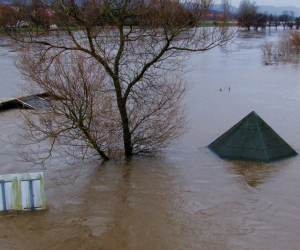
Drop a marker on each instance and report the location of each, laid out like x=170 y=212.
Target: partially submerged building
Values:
x=252 y=139
x=25 y=102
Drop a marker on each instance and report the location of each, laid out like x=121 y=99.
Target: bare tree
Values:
x=283 y=49
x=288 y=44
x=78 y=113
x=142 y=66
x=247 y=14
x=82 y=116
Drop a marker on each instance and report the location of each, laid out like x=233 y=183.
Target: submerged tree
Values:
x=131 y=100
x=284 y=50
x=82 y=112
x=247 y=14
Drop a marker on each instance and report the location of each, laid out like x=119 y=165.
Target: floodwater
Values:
x=188 y=199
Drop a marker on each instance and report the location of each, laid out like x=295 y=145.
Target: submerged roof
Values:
x=252 y=139
x=29 y=102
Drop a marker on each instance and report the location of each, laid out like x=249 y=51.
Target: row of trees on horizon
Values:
x=248 y=15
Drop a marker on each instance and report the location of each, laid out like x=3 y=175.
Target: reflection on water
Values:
x=269 y=60
x=254 y=173
x=189 y=199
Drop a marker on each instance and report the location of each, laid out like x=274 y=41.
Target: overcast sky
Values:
x=278 y=3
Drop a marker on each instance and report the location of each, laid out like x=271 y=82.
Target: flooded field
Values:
x=188 y=199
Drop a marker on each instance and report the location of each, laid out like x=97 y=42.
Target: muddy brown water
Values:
x=188 y=199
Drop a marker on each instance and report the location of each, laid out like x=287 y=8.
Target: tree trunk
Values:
x=127 y=141
x=124 y=118
x=126 y=132
x=88 y=135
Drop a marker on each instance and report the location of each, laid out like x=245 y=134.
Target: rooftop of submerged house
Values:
x=251 y=139
x=36 y=101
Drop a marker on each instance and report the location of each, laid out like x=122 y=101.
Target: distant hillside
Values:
x=278 y=10
x=261 y=9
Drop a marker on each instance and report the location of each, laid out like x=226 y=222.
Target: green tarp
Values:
x=252 y=139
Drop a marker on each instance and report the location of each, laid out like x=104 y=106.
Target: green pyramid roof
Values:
x=251 y=139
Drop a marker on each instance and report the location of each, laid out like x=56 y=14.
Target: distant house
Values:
x=219 y=16
x=50 y=12
x=213 y=17
x=209 y=17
